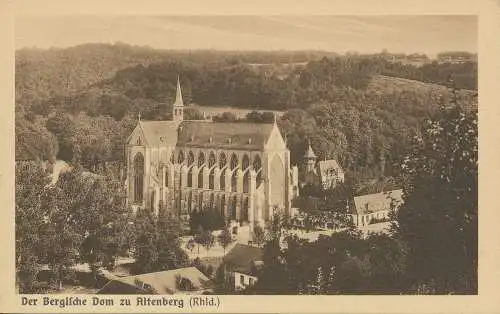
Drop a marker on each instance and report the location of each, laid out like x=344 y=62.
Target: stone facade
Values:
x=241 y=169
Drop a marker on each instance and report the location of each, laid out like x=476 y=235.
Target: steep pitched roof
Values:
x=372 y=203
x=242 y=257
x=201 y=133
x=309 y=153
x=159 y=132
x=164 y=282
x=235 y=135
x=326 y=165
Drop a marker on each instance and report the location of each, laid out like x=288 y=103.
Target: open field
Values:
x=388 y=84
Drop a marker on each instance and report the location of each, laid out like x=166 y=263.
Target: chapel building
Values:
x=324 y=173
x=240 y=169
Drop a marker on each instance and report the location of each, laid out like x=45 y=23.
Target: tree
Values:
x=259 y=236
x=198 y=237
x=438 y=219
x=207 y=239
x=225 y=117
x=108 y=223
x=225 y=238
x=191 y=113
x=64 y=231
x=194 y=221
x=63 y=128
x=30 y=193
x=145 y=246
x=170 y=253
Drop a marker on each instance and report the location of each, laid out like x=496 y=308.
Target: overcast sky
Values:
x=365 y=34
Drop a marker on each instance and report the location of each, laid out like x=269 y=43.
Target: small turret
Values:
x=309 y=158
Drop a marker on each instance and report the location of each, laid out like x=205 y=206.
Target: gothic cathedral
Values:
x=240 y=169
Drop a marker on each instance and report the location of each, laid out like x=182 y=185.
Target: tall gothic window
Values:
x=180 y=158
x=223 y=205
x=211 y=179
x=201 y=159
x=257 y=167
x=200 y=201
x=244 y=211
x=234 y=207
x=190 y=159
x=190 y=178
x=246 y=182
x=234 y=181
x=153 y=200
x=211 y=160
x=212 y=201
x=139 y=178
x=223 y=180
x=245 y=162
x=200 y=178
x=222 y=160
x=234 y=162
x=190 y=201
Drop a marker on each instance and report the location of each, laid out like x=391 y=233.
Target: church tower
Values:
x=178 y=107
x=309 y=158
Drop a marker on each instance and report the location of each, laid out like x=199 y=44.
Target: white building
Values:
x=375 y=208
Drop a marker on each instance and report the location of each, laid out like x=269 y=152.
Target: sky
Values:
x=428 y=34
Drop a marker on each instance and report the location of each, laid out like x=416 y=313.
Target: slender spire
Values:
x=178 y=107
x=139 y=116
x=178 y=94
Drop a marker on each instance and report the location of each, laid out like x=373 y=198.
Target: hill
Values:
x=45 y=73
x=388 y=84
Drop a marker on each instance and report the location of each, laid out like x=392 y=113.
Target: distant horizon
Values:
x=236 y=50
x=405 y=34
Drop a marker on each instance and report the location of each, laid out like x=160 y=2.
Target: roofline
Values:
x=139 y=123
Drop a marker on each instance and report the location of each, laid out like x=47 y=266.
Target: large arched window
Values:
x=234 y=207
x=201 y=159
x=138 y=178
x=234 y=162
x=212 y=201
x=277 y=182
x=190 y=159
x=246 y=182
x=211 y=179
x=257 y=163
x=153 y=200
x=211 y=160
x=200 y=178
x=223 y=205
x=200 y=201
x=234 y=181
x=245 y=162
x=222 y=183
x=244 y=210
x=257 y=167
x=190 y=178
x=190 y=202
x=180 y=158
x=222 y=160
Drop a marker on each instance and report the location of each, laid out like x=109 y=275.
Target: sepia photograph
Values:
x=246 y=155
